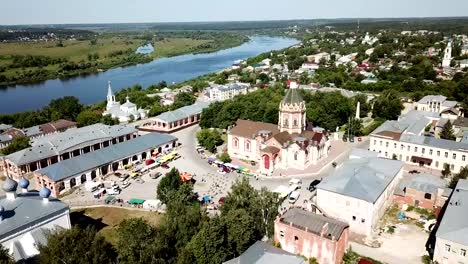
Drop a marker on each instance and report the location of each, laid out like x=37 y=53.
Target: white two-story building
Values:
x=226 y=92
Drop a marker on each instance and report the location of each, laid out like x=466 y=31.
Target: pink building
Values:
x=312 y=235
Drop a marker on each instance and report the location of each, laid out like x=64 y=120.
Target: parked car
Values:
x=313 y=185
x=125 y=184
x=113 y=191
x=293 y=197
x=414 y=172
x=140 y=181
x=155 y=175
x=118 y=174
x=296 y=181
x=124 y=177
x=165 y=166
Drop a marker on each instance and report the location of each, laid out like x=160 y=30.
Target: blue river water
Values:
x=93 y=88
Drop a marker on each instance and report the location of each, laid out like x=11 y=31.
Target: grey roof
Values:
x=232 y=86
x=263 y=253
x=293 y=96
x=5 y=138
x=362 y=153
x=431 y=98
x=454 y=226
x=434 y=142
x=183 y=112
x=28 y=209
x=5 y=127
x=413 y=122
x=424 y=182
x=314 y=223
x=465 y=137
x=71 y=139
x=365 y=179
x=95 y=159
x=32 y=131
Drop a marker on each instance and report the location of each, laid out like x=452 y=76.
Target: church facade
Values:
x=124 y=112
x=289 y=144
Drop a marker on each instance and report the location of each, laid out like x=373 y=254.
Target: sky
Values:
x=129 y=11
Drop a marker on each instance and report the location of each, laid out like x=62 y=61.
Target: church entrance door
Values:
x=266 y=161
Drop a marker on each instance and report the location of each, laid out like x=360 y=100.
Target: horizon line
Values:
x=241 y=21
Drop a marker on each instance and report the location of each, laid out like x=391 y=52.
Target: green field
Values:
x=106 y=219
x=110 y=52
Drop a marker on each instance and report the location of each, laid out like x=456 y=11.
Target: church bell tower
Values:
x=292 y=116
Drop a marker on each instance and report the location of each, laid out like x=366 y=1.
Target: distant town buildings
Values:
x=219 y=92
x=8 y=133
x=286 y=145
x=359 y=191
x=27 y=218
x=125 y=112
x=311 y=235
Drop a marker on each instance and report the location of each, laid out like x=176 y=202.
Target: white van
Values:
x=297 y=182
x=293 y=197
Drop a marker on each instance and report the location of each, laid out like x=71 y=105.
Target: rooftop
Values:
x=453 y=226
x=26 y=210
x=292 y=96
x=434 y=142
x=183 y=112
x=85 y=162
x=365 y=178
x=314 y=223
x=71 y=139
x=263 y=253
x=424 y=182
x=413 y=122
x=247 y=128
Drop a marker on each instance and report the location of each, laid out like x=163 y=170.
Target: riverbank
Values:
x=34 y=62
x=92 y=88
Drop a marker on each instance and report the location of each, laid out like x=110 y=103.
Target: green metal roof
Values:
x=293 y=96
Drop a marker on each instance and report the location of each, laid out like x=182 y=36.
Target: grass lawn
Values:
x=106 y=219
x=75 y=50
x=175 y=46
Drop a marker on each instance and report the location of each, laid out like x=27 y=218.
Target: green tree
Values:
x=211 y=243
x=388 y=105
x=224 y=157
x=16 y=144
x=88 y=117
x=139 y=242
x=463 y=174
x=168 y=184
x=447 y=131
x=183 y=99
x=76 y=246
x=5 y=257
x=67 y=107
x=240 y=230
x=446 y=171
x=209 y=139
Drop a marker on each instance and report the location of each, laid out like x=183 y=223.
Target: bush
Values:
x=224 y=157
x=209 y=139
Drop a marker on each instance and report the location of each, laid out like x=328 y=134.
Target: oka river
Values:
x=93 y=88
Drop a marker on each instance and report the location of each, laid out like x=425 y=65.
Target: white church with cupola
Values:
x=124 y=112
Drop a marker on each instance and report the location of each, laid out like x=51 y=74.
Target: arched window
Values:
x=295 y=155
x=295 y=122
x=247 y=145
x=286 y=122
x=236 y=142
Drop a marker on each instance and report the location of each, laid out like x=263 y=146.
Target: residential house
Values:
x=424 y=191
x=311 y=235
x=451 y=235
x=359 y=191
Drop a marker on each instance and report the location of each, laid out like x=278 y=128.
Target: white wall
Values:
x=387 y=149
x=442 y=256
x=26 y=239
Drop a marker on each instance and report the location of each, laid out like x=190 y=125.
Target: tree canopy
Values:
x=76 y=246
x=209 y=139
x=447 y=131
x=16 y=144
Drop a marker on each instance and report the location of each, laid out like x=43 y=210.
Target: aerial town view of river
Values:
x=92 y=88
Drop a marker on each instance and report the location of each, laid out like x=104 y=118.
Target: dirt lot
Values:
x=406 y=245
x=106 y=220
